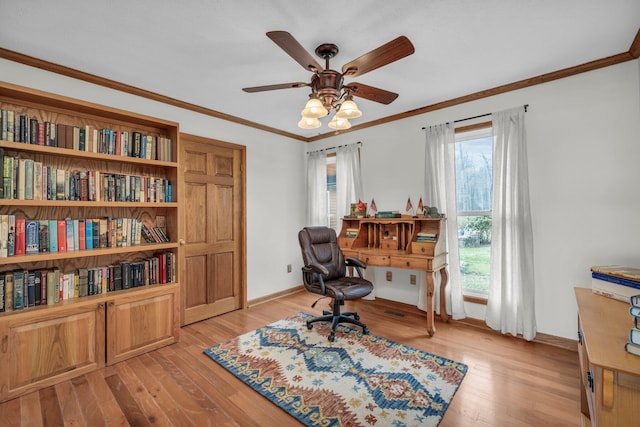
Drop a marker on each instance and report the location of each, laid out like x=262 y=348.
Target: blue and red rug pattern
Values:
x=358 y=380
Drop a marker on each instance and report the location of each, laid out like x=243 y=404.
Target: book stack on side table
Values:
x=633 y=346
x=615 y=281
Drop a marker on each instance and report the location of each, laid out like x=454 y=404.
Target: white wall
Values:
x=584 y=147
x=583 y=135
x=274 y=188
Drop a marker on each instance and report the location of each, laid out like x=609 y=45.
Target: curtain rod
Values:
x=333 y=148
x=526 y=106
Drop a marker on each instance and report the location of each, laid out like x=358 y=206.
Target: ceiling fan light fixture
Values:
x=348 y=109
x=314 y=108
x=339 y=123
x=309 y=123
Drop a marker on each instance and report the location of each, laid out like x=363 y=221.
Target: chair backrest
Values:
x=320 y=245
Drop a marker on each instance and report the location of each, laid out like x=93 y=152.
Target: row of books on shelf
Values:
x=426 y=237
x=20 y=289
x=17 y=127
x=27 y=179
x=351 y=232
x=21 y=236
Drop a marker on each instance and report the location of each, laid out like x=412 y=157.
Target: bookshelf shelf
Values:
x=66 y=152
x=21 y=259
x=86 y=331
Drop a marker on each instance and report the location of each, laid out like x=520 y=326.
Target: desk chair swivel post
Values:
x=324 y=273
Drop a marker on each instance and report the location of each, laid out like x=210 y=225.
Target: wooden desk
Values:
x=609 y=376
x=407 y=242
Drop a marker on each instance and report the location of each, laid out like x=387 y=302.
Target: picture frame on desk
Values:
x=358 y=210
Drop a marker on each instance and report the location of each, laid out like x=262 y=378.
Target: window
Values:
x=473 y=164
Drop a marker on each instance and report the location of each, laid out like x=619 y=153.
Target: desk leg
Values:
x=444 y=279
x=431 y=327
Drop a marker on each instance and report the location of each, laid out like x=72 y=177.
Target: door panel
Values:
x=214 y=243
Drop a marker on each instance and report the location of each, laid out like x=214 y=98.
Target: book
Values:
x=3 y=291
x=20 y=241
x=632 y=348
x=635 y=300
x=62 y=235
x=634 y=336
x=612 y=290
x=11 y=237
x=18 y=290
x=8 y=293
x=32 y=239
x=4 y=236
x=53 y=235
x=30 y=279
x=43 y=235
x=627 y=273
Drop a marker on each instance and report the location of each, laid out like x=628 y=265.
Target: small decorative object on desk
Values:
x=633 y=346
x=431 y=212
x=358 y=210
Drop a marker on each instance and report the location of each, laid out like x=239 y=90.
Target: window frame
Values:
x=475 y=130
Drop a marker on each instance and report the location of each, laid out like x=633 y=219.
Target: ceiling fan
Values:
x=328 y=90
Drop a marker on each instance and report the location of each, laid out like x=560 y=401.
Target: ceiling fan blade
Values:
x=295 y=50
x=387 y=53
x=372 y=93
x=274 y=87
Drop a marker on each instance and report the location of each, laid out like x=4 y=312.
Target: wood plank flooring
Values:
x=510 y=382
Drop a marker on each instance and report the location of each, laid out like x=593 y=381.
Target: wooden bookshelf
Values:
x=42 y=345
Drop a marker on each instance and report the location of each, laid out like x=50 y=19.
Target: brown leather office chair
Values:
x=324 y=273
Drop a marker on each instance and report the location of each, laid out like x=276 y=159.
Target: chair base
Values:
x=336 y=317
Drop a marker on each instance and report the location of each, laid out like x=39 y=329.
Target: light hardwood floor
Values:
x=510 y=382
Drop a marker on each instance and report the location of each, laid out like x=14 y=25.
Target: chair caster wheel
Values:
x=356 y=317
x=332 y=338
x=309 y=326
x=365 y=331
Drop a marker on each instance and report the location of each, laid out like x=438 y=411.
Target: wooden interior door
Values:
x=213 y=269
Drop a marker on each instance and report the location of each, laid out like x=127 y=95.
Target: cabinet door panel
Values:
x=142 y=322
x=50 y=347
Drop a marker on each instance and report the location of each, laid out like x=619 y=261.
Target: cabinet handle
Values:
x=182 y=242
x=408 y=264
x=101 y=305
x=590 y=380
x=111 y=304
x=579 y=337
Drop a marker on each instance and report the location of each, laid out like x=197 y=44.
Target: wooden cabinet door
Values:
x=213 y=270
x=39 y=348
x=139 y=322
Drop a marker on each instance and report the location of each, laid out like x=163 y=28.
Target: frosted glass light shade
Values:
x=339 y=123
x=309 y=123
x=314 y=109
x=349 y=110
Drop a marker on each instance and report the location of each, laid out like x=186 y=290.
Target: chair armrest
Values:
x=355 y=262
x=316 y=268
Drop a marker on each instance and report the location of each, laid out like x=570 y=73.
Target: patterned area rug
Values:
x=358 y=380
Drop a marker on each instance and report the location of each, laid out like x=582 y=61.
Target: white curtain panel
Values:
x=348 y=179
x=511 y=305
x=440 y=191
x=317 y=188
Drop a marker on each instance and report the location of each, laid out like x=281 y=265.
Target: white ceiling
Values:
x=205 y=51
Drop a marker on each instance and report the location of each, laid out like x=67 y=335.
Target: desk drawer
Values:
x=375 y=260
x=421 y=248
x=411 y=263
